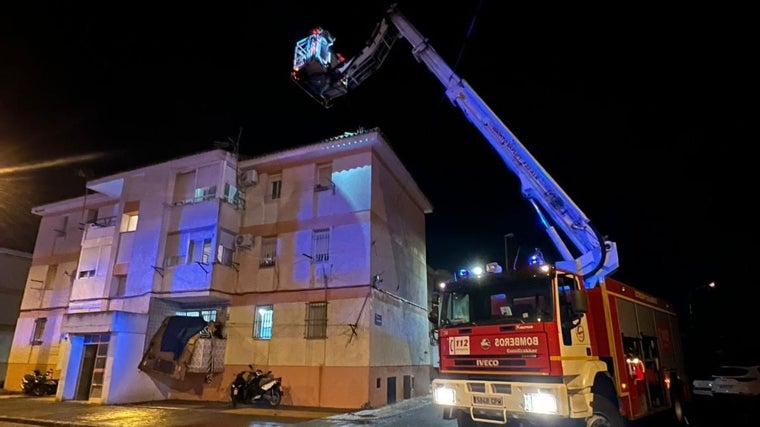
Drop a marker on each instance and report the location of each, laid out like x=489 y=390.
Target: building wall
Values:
x=14 y=266
x=399 y=339
x=47 y=289
x=375 y=330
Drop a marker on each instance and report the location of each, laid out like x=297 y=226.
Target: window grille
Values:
x=262 y=324
x=320 y=252
x=316 y=320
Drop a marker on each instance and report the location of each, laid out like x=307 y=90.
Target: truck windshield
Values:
x=497 y=299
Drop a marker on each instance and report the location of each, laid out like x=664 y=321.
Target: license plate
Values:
x=488 y=400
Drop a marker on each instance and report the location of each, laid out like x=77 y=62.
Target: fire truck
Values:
x=560 y=343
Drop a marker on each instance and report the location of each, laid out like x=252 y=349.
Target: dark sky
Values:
x=640 y=114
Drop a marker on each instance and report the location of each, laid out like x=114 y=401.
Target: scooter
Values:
x=255 y=385
x=39 y=384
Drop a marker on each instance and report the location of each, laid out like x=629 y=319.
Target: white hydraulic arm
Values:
x=593 y=257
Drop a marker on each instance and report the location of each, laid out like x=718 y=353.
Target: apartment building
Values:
x=312 y=260
x=14 y=267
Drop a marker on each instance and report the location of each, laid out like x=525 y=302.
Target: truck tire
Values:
x=605 y=414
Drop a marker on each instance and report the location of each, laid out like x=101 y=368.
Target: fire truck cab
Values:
x=534 y=345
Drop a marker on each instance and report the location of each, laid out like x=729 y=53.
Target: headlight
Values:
x=542 y=403
x=444 y=396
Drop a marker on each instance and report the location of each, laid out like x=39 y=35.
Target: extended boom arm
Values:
x=325 y=80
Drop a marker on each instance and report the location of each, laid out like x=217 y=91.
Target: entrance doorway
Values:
x=92 y=367
x=391 y=392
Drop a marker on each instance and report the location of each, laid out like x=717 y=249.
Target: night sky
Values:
x=641 y=115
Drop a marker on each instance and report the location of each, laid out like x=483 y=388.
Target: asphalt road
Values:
x=24 y=410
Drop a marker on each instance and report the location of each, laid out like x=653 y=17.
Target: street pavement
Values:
x=17 y=408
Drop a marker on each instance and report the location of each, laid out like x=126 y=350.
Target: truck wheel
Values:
x=605 y=414
x=681 y=411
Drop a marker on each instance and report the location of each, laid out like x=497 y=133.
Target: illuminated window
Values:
x=262 y=323
x=268 y=251
x=316 y=320
x=39 y=330
x=128 y=222
x=320 y=246
x=204 y=193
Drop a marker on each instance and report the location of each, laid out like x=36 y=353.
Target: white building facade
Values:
x=312 y=259
x=14 y=268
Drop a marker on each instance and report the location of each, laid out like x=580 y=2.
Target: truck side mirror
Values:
x=433 y=317
x=433 y=313
x=579 y=301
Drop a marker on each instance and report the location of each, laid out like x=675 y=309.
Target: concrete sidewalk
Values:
x=45 y=411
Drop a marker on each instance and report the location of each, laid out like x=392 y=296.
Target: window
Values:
x=232 y=195
x=320 y=246
x=262 y=323
x=120 y=286
x=88 y=262
x=39 y=330
x=224 y=255
x=268 y=251
x=275 y=186
x=208 y=315
x=316 y=320
x=204 y=193
x=225 y=249
x=86 y=273
x=199 y=251
x=128 y=222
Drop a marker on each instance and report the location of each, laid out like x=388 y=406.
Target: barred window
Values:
x=268 y=251
x=320 y=246
x=262 y=323
x=316 y=320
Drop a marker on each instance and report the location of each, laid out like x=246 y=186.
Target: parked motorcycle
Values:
x=254 y=386
x=39 y=384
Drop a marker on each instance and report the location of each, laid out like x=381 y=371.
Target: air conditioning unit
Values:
x=249 y=177
x=244 y=240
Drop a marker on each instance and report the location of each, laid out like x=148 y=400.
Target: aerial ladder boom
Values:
x=593 y=257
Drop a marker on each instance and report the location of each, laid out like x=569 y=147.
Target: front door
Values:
x=85 y=372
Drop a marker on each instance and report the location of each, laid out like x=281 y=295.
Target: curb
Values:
x=385 y=412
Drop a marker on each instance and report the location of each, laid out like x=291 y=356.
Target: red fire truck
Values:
x=546 y=343
x=535 y=345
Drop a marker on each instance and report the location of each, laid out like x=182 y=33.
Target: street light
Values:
x=506 y=250
x=710 y=285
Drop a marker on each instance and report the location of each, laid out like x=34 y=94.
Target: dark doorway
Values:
x=85 y=372
x=391 y=390
x=407 y=386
